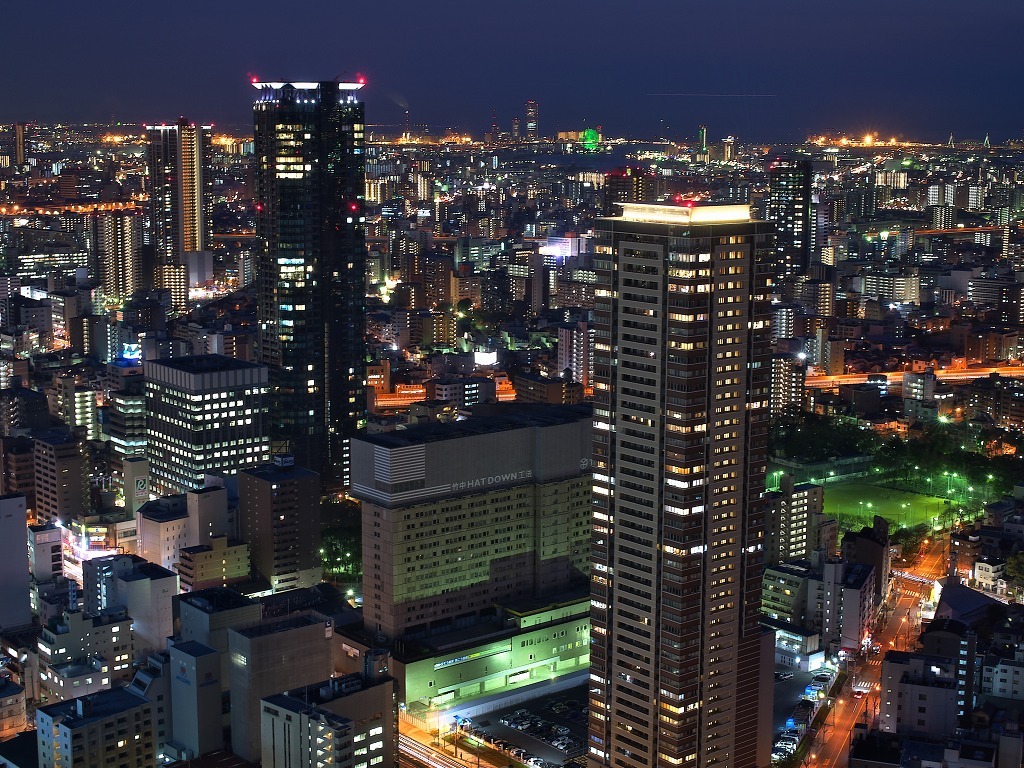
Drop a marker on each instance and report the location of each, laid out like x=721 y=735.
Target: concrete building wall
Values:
x=269 y=658
x=15 y=603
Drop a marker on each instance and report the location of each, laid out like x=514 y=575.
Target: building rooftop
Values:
x=217 y=599
x=282 y=625
x=785 y=626
x=212 y=760
x=76 y=713
x=856 y=575
x=987 y=559
x=799 y=568
x=328 y=690
x=204 y=363
x=946 y=625
x=280 y=472
x=293 y=703
x=498 y=419
x=166 y=509
x=193 y=648
x=21 y=751
x=689 y=212
x=147 y=570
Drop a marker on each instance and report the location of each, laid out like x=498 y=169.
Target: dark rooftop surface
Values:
x=506 y=416
x=146 y=570
x=283 y=625
x=217 y=599
x=101 y=706
x=21 y=751
x=193 y=648
x=205 y=363
x=274 y=471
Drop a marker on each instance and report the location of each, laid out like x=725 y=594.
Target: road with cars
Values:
x=859 y=701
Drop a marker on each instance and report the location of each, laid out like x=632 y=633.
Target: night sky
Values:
x=772 y=71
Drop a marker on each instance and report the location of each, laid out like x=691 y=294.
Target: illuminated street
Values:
x=831 y=748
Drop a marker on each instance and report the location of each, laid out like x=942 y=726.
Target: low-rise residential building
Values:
x=344 y=721
x=990 y=574
x=83 y=654
x=12 y=709
x=220 y=563
x=112 y=728
x=918 y=695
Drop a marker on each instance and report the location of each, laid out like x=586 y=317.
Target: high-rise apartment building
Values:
x=576 y=353
x=797 y=525
x=679 y=662
x=20 y=136
x=789 y=372
x=310 y=279
x=181 y=201
x=118 y=244
x=61 y=477
x=789 y=208
x=204 y=413
x=279 y=518
x=532 y=118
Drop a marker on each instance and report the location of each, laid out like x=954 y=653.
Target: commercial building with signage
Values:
x=461 y=517
x=476 y=552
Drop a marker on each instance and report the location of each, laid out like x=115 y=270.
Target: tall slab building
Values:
x=789 y=208
x=181 y=201
x=680 y=664
x=312 y=258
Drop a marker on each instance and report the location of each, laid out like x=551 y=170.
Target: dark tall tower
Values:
x=181 y=201
x=789 y=207
x=312 y=259
x=679 y=662
x=532 y=116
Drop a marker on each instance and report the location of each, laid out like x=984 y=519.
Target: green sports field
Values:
x=855 y=504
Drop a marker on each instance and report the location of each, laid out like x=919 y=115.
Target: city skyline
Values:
x=334 y=442
x=880 y=69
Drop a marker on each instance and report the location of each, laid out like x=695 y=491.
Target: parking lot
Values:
x=791 y=718
x=548 y=731
x=787 y=694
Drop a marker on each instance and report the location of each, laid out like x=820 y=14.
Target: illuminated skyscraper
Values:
x=20 y=131
x=532 y=115
x=204 y=413
x=118 y=242
x=702 y=139
x=181 y=201
x=789 y=208
x=679 y=664
x=311 y=264
x=728 y=149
